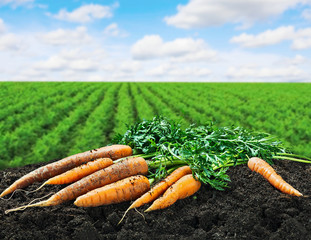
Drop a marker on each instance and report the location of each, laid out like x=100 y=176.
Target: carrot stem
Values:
x=291 y=159
x=294 y=155
x=145 y=156
x=230 y=164
x=167 y=163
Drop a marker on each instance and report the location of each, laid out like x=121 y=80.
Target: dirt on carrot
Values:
x=79 y=172
x=65 y=164
x=123 y=190
x=128 y=167
x=248 y=209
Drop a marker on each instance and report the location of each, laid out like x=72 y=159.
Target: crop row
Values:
x=283 y=113
x=46 y=121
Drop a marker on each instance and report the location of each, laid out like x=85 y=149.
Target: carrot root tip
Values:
x=22 y=208
x=37 y=188
x=31 y=204
x=148 y=210
x=16 y=209
x=124 y=215
x=140 y=213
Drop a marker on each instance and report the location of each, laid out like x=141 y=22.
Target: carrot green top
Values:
x=208 y=149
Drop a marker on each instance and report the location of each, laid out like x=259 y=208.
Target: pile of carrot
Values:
x=112 y=175
x=98 y=180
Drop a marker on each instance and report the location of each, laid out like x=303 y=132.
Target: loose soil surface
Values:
x=250 y=209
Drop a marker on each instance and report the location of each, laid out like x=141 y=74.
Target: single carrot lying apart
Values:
x=65 y=164
x=262 y=167
x=184 y=187
x=126 y=168
x=123 y=190
x=78 y=173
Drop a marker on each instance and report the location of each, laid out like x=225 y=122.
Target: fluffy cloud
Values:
x=75 y=59
x=306 y=14
x=251 y=72
x=63 y=36
x=2 y=26
x=172 y=70
x=268 y=37
x=297 y=60
x=10 y=42
x=114 y=31
x=180 y=49
x=86 y=13
x=301 y=38
x=130 y=66
x=205 y=13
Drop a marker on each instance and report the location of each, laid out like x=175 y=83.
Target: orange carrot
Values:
x=123 y=190
x=77 y=173
x=262 y=167
x=65 y=164
x=159 y=188
x=184 y=187
x=126 y=168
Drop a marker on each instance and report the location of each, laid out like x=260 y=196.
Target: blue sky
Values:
x=186 y=40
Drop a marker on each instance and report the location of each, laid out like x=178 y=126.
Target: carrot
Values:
x=262 y=167
x=123 y=169
x=184 y=187
x=123 y=190
x=65 y=164
x=77 y=173
x=159 y=188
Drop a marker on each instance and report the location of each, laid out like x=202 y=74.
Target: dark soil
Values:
x=250 y=209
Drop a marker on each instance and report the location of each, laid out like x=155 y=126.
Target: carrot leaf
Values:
x=208 y=149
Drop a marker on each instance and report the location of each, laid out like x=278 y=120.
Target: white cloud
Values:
x=268 y=37
x=180 y=49
x=252 y=72
x=301 y=43
x=159 y=70
x=75 y=59
x=10 y=42
x=130 y=66
x=32 y=74
x=301 y=38
x=2 y=26
x=306 y=14
x=205 y=13
x=296 y=60
x=203 y=72
x=114 y=31
x=86 y=13
x=173 y=70
x=63 y=36
x=54 y=63
x=241 y=65
x=204 y=55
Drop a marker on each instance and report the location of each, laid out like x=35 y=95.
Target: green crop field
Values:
x=47 y=121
